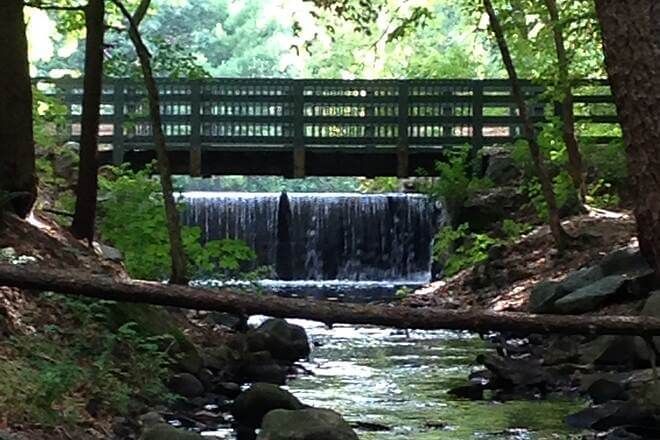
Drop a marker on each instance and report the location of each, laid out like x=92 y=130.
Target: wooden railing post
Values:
x=118 y=122
x=403 y=165
x=477 y=116
x=298 y=129
x=195 y=128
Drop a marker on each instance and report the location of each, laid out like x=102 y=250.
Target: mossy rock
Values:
x=305 y=424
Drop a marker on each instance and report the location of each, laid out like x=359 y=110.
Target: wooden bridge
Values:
x=320 y=127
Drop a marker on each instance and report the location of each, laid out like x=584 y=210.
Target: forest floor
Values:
x=505 y=281
x=31 y=322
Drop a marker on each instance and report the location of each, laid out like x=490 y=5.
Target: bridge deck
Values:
x=319 y=127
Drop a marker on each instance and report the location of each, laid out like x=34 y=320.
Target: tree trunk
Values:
x=86 y=191
x=100 y=287
x=631 y=41
x=575 y=166
x=171 y=212
x=17 y=162
x=558 y=232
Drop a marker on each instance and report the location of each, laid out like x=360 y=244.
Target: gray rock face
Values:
x=499 y=165
x=591 y=296
x=543 y=296
x=489 y=206
x=284 y=341
x=186 y=385
x=306 y=424
x=251 y=406
x=108 y=252
x=603 y=390
x=623 y=274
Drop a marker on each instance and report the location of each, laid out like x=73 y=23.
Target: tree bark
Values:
x=575 y=165
x=177 y=252
x=100 y=287
x=631 y=41
x=84 y=216
x=17 y=161
x=545 y=179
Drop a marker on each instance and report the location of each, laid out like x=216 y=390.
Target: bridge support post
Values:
x=195 y=129
x=403 y=165
x=118 y=122
x=477 y=117
x=299 y=167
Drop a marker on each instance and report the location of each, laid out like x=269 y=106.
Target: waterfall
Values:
x=324 y=236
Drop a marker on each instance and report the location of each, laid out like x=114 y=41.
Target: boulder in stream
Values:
x=305 y=424
x=284 y=341
x=252 y=405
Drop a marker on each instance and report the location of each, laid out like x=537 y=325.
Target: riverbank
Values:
x=86 y=369
x=601 y=273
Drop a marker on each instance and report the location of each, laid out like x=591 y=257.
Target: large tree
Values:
x=17 y=166
x=86 y=190
x=631 y=41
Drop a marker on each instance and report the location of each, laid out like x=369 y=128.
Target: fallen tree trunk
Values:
x=225 y=300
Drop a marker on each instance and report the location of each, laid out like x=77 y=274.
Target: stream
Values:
x=400 y=381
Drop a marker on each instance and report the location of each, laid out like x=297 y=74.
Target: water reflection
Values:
x=399 y=380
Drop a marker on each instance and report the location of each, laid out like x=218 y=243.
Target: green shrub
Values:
x=607 y=163
x=513 y=230
x=379 y=185
x=458 y=248
x=455 y=183
x=132 y=219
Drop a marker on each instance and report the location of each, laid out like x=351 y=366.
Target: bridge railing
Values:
x=400 y=117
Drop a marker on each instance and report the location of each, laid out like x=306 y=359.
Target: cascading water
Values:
x=315 y=237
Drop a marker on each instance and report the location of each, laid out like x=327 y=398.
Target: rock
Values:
x=125 y=428
x=651 y=308
x=164 y=431
x=472 y=392
x=610 y=414
x=582 y=278
x=498 y=165
x=189 y=358
x=543 y=296
x=233 y=322
x=516 y=372
x=261 y=367
x=283 y=340
x=186 y=385
x=222 y=359
x=252 y=405
x=305 y=424
x=229 y=389
x=626 y=260
x=592 y=296
x=603 y=390
x=490 y=206
x=152 y=418
x=108 y=252
x=271 y=373
x=561 y=350
x=610 y=351
x=65 y=165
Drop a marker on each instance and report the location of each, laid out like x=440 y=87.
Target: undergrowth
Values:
x=81 y=366
x=459 y=248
